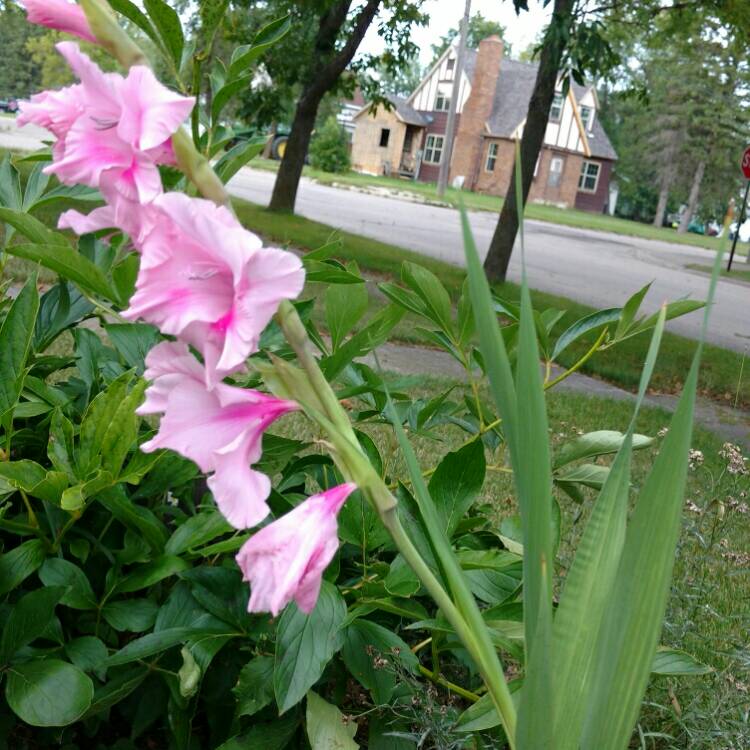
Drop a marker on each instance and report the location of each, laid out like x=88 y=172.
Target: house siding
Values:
x=599 y=200
x=367 y=154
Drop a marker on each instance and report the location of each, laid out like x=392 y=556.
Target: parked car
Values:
x=8 y=105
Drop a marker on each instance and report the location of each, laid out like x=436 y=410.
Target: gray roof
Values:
x=514 y=88
x=408 y=114
x=470 y=64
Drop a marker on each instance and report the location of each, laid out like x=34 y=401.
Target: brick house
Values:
x=575 y=164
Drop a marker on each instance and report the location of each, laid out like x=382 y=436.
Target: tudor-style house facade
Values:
x=575 y=163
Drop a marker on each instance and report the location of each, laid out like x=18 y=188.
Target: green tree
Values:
x=400 y=81
x=329 y=150
x=20 y=75
x=479 y=28
x=319 y=58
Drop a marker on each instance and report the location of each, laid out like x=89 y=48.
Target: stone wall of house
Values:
x=368 y=155
x=477 y=110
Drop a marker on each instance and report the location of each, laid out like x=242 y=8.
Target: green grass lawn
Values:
x=721 y=375
x=480 y=202
x=740 y=271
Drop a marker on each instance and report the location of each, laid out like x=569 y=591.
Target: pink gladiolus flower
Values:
x=220 y=430
x=286 y=559
x=111 y=131
x=208 y=280
x=60 y=15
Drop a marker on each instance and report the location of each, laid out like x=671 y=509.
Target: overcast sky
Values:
x=522 y=30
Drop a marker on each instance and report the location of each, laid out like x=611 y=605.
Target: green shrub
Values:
x=329 y=151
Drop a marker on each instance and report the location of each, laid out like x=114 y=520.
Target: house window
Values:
x=442 y=102
x=491 y=157
x=589 y=179
x=385 y=137
x=555 y=112
x=556 y=166
x=450 y=69
x=433 y=150
x=451 y=64
x=587 y=117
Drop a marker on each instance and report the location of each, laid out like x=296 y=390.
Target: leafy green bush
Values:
x=329 y=150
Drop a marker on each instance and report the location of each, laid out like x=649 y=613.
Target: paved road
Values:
x=596 y=268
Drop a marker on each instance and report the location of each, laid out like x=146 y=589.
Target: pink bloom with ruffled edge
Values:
x=112 y=132
x=208 y=280
x=60 y=15
x=286 y=560
x=220 y=430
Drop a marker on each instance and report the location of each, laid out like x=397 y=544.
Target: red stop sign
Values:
x=746 y=163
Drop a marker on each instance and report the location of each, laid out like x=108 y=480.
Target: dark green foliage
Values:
x=329 y=150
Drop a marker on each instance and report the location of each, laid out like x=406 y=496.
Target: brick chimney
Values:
x=477 y=111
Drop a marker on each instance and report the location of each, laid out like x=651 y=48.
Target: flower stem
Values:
x=581 y=362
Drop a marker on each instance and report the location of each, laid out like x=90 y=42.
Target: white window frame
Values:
x=557 y=172
x=431 y=147
x=588 y=122
x=586 y=174
x=442 y=102
x=491 y=160
x=558 y=104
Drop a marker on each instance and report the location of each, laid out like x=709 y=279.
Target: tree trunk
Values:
x=664 y=187
x=285 y=188
x=501 y=247
x=695 y=191
x=327 y=65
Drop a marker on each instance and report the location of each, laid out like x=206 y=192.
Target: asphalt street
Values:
x=595 y=268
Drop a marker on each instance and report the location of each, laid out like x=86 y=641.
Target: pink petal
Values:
x=151 y=113
x=60 y=15
x=98 y=219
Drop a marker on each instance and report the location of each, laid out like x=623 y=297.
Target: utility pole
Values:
x=450 y=130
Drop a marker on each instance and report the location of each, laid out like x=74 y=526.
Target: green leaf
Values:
x=370 y=337
x=364 y=644
x=432 y=293
x=66 y=193
x=133 y=615
x=18 y=564
x=589 y=584
x=167 y=22
x=673 y=309
x=87 y=653
x=196 y=532
x=60 y=449
x=633 y=620
x=15 y=342
x=592 y=322
x=122 y=432
x=131 y=11
x=630 y=310
x=155 y=643
x=32 y=229
x=401 y=579
x=61 y=307
x=71 y=265
x=151 y=573
x=225 y=94
x=59 y=572
x=479 y=717
x=599 y=443
x=345 y=306
x=48 y=693
x=589 y=475
x=675 y=663
x=327 y=729
x=10 y=185
x=236 y=158
x=457 y=482
x=138 y=519
x=117 y=689
x=133 y=342
x=254 y=688
x=244 y=56
x=100 y=416
x=36 y=184
x=274 y=735
x=305 y=644
x=28 y=619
